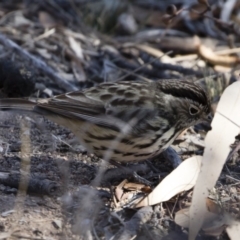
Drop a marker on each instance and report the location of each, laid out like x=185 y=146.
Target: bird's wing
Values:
x=116 y=106
x=77 y=106
x=108 y=105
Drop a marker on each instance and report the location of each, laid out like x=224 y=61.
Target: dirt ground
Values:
x=60 y=202
x=40 y=213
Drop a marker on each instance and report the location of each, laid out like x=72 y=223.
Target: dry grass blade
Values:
x=225 y=127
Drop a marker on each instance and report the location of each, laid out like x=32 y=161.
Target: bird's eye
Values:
x=193 y=110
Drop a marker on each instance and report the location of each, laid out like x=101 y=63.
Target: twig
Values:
x=37 y=63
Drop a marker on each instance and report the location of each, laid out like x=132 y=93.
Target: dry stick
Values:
x=37 y=63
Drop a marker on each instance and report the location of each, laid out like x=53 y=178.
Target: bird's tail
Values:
x=17 y=104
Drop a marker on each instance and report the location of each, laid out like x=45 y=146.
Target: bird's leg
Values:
x=171 y=155
x=134 y=174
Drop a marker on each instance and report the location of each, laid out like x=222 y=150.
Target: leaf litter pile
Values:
x=51 y=187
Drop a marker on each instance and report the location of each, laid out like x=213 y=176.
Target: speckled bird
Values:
x=124 y=121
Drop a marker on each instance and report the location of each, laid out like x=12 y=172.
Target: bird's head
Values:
x=188 y=102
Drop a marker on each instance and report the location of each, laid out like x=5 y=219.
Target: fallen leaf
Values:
x=212 y=206
x=5 y=235
x=181 y=179
x=213 y=224
x=20 y=21
x=182 y=217
x=76 y=47
x=119 y=190
x=210 y=56
x=233 y=230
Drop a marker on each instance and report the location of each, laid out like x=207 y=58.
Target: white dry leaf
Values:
x=76 y=47
x=225 y=126
x=5 y=235
x=214 y=224
x=66 y=76
x=181 y=179
x=48 y=91
x=182 y=217
x=20 y=21
x=233 y=230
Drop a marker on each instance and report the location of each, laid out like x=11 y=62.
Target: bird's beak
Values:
x=208 y=118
